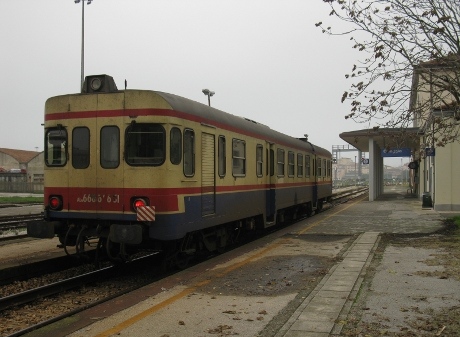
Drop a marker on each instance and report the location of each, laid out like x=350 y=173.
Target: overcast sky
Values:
x=264 y=59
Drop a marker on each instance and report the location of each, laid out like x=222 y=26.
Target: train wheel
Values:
x=309 y=209
x=181 y=261
x=319 y=206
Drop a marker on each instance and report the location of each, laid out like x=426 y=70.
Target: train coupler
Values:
x=129 y=234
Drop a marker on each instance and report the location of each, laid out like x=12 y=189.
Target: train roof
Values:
x=249 y=126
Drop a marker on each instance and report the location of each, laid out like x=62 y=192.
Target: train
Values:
x=131 y=169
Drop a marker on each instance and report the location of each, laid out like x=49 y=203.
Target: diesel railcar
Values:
x=141 y=168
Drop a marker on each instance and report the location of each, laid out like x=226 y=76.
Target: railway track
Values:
x=13 y=227
x=81 y=289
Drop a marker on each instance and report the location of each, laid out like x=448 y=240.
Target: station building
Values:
x=435 y=167
x=21 y=171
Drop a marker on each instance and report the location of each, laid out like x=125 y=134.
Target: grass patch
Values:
x=457 y=221
x=21 y=200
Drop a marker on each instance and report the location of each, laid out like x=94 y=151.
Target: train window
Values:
x=239 y=158
x=329 y=168
x=299 y=165
x=189 y=153
x=291 y=164
x=280 y=161
x=145 y=144
x=80 y=147
x=307 y=166
x=324 y=168
x=222 y=157
x=110 y=147
x=318 y=168
x=259 y=160
x=175 y=146
x=56 y=147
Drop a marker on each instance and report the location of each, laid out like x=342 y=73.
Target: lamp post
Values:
x=82 y=38
x=208 y=93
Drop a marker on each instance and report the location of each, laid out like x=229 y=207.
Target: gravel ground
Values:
x=412 y=288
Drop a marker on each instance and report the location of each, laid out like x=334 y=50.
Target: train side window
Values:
x=110 y=147
x=222 y=169
x=299 y=165
x=259 y=160
x=324 y=168
x=329 y=168
x=291 y=163
x=239 y=158
x=175 y=146
x=280 y=161
x=56 y=147
x=307 y=166
x=189 y=153
x=318 y=168
x=80 y=147
x=145 y=144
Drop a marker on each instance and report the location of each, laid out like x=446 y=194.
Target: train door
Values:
x=271 y=183
x=208 y=175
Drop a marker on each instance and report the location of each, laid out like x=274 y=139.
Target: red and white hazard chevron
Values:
x=146 y=213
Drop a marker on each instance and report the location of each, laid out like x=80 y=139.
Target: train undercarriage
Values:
x=78 y=238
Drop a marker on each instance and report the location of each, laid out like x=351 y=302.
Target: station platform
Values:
x=211 y=300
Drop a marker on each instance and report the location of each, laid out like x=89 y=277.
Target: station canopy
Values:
x=385 y=138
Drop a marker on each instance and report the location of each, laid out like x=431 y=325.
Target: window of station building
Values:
x=145 y=144
x=222 y=157
x=110 y=147
x=307 y=166
x=280 y=162
x=56 y=147
x=291 y=163
x=175 y=146
x=239 y=157
x=299 y=165
x=80 y=147
x=189 y=153
x=259 y=160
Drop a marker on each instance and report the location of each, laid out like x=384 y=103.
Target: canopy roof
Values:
x=386 y=138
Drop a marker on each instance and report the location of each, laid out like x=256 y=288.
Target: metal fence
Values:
x=20 y=187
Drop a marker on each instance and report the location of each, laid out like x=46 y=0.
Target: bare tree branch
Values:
x=410 y=49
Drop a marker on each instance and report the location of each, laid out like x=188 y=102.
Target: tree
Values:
x=410 y=65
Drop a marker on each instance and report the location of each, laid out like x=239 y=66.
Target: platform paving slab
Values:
x=317 y=315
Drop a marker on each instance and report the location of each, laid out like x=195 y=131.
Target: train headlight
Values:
x=139 y=202
x=96 y=83
x=55 y=202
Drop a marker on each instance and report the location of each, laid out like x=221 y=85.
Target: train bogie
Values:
x=145 y=168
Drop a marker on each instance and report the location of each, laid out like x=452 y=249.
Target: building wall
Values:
x=7 y=162
x=438 y=175
x=35 y=168
x=446 y=178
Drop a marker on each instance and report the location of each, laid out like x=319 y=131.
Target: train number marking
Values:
x=98 y=198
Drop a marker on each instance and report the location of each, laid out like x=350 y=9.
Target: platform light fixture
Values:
x=208 y=93
x=88 y=2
